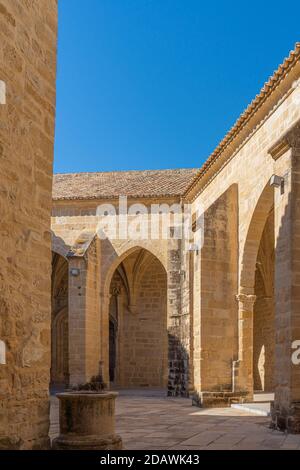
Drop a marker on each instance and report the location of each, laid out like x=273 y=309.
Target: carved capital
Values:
x=291 y=139
x=246 y=301
x=116 y=290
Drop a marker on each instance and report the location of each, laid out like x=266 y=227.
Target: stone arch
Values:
x=60 y=348
x=254 y=232
x=137 y=316
x=117 y=258
x=256 y=299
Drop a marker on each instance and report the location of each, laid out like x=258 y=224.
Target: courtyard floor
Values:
x=150 y=421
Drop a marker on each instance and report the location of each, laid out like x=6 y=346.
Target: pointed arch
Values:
x=117 y=260
x=60 y=348
x=138 y=336
x=255 y=230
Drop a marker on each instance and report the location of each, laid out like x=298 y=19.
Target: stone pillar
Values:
x=178 y=356
x=286 y=407
x=120 y=354
x=190 y=289
x=243 y=367
x=215 y=308
x=77 y=340
x=104 y=336
x=84 y=318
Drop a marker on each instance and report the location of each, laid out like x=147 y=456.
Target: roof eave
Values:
x=242 y=127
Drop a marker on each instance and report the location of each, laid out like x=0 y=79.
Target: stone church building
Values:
x=213 y=321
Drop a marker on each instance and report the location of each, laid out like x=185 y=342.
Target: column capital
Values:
x=116 y=290
x=291 y=139
x=246 y=299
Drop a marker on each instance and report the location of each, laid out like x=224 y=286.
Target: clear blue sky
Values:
x=148 y=84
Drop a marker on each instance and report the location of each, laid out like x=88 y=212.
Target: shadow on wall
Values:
x=178 y=368
x=285 y=410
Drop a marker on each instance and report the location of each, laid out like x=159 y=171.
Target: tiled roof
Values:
x=250 y=111
x=137 y=184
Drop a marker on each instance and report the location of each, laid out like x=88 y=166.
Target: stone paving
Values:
x=152 y=422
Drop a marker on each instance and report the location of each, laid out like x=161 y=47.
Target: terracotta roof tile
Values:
x=146 y=183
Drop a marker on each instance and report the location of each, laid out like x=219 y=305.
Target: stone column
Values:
x=84 y=317
x=77 y=340
x=190 y=289
x=120 y=354
x=104 y=336
x=178 y=356
x=243 y=368
x=286 y=407
x=215 y=307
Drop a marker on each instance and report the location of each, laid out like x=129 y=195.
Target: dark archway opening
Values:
x=138 y=339
x=59 y=322
x=264 y=311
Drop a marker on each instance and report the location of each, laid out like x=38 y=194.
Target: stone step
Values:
x=261 y=409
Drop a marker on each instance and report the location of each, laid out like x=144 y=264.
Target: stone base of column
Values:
x=286 y=419
x=219 y=399
x=112 y=442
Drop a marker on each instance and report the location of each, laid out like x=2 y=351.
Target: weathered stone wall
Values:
x=28 y=67
x=286 y=410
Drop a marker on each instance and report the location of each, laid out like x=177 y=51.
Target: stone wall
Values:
x=217 y=286
x=28 y=67
x=286 y=410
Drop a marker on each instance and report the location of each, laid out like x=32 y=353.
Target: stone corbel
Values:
x=290 y=139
